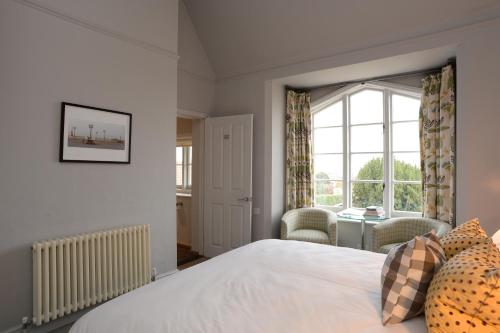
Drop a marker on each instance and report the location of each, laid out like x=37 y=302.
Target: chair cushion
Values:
x=309 y=235
x=406 y=275
x=463 y=237
x=464 y=295
x=387 y=247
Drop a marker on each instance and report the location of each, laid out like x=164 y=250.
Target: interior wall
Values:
x=275 y=200
x=48 y=57
x=478 y=174
x=195 y=74
x=411 y=81
x=184 y=128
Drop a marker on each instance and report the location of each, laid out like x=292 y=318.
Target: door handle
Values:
x=247 y=199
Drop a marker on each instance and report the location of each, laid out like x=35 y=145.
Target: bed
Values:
x=266 y=286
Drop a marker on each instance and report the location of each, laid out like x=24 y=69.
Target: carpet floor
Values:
x=185 y=255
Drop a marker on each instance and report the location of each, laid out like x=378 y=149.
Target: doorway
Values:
x=187 y=183
x=213 y=185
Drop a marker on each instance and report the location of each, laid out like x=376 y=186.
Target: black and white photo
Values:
x=90 y=134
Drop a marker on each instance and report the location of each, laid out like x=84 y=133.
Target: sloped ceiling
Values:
x=242 y=36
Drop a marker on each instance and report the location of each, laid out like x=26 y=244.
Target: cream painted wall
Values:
x=195 y=75
x=46 y=59
x=478 y=169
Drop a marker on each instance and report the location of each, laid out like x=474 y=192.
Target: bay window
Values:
x=366 y=149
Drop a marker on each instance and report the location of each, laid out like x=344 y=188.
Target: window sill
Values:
x=185 y=195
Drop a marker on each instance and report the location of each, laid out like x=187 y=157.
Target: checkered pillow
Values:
x=406 y=275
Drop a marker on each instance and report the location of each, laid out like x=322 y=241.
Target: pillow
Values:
x=465 y=294
x=406 y=275
x=462 y=237
x=496 y=238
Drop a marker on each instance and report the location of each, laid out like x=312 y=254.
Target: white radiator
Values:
x=75 y=272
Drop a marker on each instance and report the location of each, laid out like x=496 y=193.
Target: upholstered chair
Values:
x=396 y=231
x=314 y=225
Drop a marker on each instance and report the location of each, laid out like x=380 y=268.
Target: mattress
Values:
x=266 y=286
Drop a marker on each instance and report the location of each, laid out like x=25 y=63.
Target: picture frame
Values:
x=94 y=135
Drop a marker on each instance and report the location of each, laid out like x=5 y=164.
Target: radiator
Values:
x=75 y=272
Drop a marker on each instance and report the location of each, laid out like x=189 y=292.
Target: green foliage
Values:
x=328 y=199
x=407 y=197
x=324 y=191
x=322 y=175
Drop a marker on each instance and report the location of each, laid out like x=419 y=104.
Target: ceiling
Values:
x=242 y=36
x=405 y=63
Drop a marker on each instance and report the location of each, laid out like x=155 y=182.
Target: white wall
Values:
x=478 y=169
x=96 y=57
x=195 y=74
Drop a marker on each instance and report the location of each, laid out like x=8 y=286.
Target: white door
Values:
x=228 y=183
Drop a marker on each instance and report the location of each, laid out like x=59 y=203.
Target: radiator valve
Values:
x=25 y=322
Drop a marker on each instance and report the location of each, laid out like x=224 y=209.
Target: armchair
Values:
x=310 y=225
x=396 y=231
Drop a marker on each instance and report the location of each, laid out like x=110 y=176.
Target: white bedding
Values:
x=267 y=286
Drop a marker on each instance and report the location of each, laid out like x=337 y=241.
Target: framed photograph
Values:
x=94 y=135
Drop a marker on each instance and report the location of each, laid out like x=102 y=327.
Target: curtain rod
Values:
x=435 y=70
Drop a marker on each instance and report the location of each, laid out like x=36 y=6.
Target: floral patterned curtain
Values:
x=299 y=163
x=437 y=145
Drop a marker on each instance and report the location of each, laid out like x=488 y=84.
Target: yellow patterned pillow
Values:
x=462 y=237
x=464 y=295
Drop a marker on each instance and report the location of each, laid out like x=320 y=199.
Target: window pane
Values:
x=405 y=137
x=178 y=175
x=404 y=108
x=367 y=138
x=328 y=140
x=178 y=155
x=328 y=193
x=367 y=107
x=190 y=152
x=190 y=172
x=367 y=194
x=407 y=166
x=328 y=167
x=367 y=167
x=408 y=197
x=329 y=116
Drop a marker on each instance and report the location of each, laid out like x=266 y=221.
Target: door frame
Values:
x=197 y=190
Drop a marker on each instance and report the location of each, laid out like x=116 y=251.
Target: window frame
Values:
x=388 y=181
x=185 y=187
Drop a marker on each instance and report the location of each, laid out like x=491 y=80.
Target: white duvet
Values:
x=267 y=286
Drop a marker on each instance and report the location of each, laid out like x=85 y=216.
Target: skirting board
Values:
x=162 y=275
x=46 y=328
x=68 y=319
